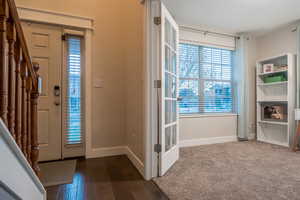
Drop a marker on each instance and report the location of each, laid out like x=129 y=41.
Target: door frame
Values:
x=152 y=66
x=86 y=24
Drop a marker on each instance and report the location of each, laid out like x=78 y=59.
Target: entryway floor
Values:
x=110 y=178
x=234 y=171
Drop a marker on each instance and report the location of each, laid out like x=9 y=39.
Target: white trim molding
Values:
x=204 y=141
x=139 y=165
x=106 y=151
x=51 y=17
x=116 y=151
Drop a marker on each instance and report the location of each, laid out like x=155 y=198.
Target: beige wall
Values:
x=134 y=51
x=277 y=42
x=116 y=59
x=207 y=127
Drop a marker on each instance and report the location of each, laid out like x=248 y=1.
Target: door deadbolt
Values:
x=56 y=90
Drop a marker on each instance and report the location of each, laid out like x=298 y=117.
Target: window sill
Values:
x=207 y=115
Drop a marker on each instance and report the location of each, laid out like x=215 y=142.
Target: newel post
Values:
x=34 y=124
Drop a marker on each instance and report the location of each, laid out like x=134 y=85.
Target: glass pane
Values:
x=74 y=91
x=217 y=96
x=167 y=58
x=167 y=32
x=206 y=54
x=216 y=56
x=173 y=41
x=216 y=72
x=206 y=71
x=170 y=111
x=226 y=72
x=174 y=135
x=174 y=111
x=189 y=92
x=173 y=68
x=226 y=57
x=170 y=85
x=188 y=61
x=168 y=138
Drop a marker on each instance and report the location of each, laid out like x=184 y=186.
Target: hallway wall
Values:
x=117 y=60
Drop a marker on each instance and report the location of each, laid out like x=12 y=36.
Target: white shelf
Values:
x=284 y=92
x=273 y=122
x=273 y=100
x=270 y=73
x=275 y=83
x=274 y=142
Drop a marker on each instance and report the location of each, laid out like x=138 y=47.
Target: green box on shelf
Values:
x=275 y=78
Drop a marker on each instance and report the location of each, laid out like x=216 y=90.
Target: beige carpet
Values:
x=57 y=173
x=234 y=171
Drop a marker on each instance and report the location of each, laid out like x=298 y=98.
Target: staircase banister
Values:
x=21 y=37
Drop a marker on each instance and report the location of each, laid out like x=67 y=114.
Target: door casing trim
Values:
x=85 y=23
x=152 y=9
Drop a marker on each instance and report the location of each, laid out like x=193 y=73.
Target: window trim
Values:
x=77 y=149
x=201 y=80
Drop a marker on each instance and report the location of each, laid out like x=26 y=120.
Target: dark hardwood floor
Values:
x=110 y=178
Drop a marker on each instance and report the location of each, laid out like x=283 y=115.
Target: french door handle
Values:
x=179 y=98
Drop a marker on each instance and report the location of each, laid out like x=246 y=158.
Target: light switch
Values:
x=98 y=83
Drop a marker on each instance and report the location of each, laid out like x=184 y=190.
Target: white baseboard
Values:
x=115 y=151
x=107 y=151
x=214 y=140
x=135 y=161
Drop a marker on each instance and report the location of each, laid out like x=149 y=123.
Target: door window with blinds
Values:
x=205 y=80
x=73 y=101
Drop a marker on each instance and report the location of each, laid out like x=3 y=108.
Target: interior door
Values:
x=45 y=47
x=169 y=132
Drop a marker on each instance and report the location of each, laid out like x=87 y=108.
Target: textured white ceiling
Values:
x=235 y=16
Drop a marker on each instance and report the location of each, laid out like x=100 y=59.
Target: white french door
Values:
x=169 y=132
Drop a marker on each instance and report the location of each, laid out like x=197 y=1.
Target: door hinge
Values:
x=157 y=83
x=157 y=148
x=157 y=20
x=63 y=37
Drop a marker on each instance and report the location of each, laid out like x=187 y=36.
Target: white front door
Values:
x=60 y=119
x=45 y=46
x=169 y=132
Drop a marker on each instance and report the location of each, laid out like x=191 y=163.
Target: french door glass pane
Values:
x=167 y=32
x=174 y=134
x=170 y=85
x=171 y=137
x=170 y=111
x=168 y=139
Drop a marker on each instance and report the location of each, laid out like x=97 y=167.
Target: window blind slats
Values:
x=73 y=101
x=205 y=79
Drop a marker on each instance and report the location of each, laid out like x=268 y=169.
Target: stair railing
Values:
x=19 y=84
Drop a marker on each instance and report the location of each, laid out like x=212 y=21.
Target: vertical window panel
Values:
x=73 y=101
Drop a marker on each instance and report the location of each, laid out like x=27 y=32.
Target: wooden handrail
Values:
x=14 y=14
x=18 y=84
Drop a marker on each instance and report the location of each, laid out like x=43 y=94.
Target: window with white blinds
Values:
x=205 y=80
x=73 y=101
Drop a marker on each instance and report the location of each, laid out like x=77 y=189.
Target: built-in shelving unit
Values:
x=280 y=95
